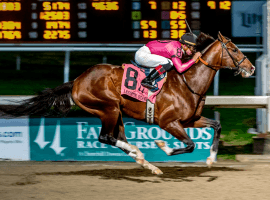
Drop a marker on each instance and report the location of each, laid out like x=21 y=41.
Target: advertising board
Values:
x=77 y=139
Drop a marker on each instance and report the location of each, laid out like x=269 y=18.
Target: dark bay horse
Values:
x=179 y=104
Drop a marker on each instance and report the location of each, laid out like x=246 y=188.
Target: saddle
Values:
x=131 y=86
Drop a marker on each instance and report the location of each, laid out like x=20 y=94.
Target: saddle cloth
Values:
x=131 y=83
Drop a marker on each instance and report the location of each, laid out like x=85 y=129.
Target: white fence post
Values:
x=67 y=66
x=18 y=62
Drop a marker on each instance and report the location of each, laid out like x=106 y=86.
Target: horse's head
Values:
x=233 y=58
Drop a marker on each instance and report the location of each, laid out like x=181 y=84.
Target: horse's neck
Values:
x=200 y=77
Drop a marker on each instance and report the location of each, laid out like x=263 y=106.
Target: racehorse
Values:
x=179 y=104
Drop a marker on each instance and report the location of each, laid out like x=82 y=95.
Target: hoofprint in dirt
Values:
x=118 y=180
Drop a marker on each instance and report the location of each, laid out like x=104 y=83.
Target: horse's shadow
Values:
x=174 y=174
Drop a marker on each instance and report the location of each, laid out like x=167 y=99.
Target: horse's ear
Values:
x=220 y=36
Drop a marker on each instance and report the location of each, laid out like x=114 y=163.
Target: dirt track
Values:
x=115 y=180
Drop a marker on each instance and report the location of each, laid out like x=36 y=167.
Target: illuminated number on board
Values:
x=225 y=5
x=64 y=34
x=145 y=24
x=153 y=24
x=133 y=79
x=181 y=32
x=105 y=5
x=66 y=15
x=10 y=25
x=174 y=34
x=10 y=35
x=177 y=33
x=153 y=5
x=60 y=6
x=174 y=24
x=181 y=5
x=178 y=15
x=17 y=6
x=178 y=24
x=54 y=35
x=112 y=6
x=47 y=6
x=211 y=4
x=6 y=6
x=150 y=34
x=99 y=5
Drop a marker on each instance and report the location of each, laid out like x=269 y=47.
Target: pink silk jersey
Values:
x=170 y=49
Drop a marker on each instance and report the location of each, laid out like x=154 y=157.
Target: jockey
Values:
x=163 y=54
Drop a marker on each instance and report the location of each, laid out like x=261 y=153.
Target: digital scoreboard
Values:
x=110 y=21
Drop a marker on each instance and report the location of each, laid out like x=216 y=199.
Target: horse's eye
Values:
x=235 y=50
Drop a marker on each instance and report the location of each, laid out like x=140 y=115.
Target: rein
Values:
x=207 y=65
x=235 y=62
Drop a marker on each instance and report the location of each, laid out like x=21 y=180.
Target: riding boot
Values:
x=154 y=74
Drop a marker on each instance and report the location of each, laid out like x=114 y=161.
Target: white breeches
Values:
x=144 y=57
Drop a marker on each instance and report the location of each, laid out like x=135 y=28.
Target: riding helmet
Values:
x=189 y=39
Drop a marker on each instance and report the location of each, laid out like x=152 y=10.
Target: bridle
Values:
x=235 y=62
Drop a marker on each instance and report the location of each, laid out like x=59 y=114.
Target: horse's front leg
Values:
x=205 y=122
x=176 y=129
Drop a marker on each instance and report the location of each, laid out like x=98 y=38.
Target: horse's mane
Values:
x=203 y=41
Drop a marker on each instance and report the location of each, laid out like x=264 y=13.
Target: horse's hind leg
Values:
x=112 y=133
x=205 y=122
x=119 y=133
x=176 y=129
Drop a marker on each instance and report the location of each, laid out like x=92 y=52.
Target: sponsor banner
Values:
x=247 y=18
x=77 y=139
x=14 y=139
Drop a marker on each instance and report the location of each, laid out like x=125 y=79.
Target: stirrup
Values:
x=147 y=85
x=152 y=88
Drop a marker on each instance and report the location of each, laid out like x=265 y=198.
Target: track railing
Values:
x=211 y=101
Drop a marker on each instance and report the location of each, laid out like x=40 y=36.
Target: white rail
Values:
x=215 y=101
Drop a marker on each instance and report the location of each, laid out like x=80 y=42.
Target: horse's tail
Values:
x=57 y=100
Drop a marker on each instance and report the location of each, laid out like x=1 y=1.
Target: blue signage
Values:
x=62 y=139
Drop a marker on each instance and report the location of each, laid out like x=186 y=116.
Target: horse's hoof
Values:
x=157 y=172
x=160 y=143
x=209 y=162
